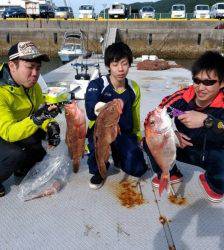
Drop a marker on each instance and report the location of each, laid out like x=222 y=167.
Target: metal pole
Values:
x=65 y=3
x=104 y=10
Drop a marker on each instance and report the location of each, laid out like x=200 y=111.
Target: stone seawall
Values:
x=167 y=39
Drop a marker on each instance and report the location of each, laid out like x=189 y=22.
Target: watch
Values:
x=208 y=122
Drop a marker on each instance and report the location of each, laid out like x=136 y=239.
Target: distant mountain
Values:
x=164 y=6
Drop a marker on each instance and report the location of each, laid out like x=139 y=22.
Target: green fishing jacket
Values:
x=16 y=105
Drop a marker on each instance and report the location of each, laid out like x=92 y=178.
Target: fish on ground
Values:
x=75 y=132
x=161 y=141
x=55 y=187
x=105 y=132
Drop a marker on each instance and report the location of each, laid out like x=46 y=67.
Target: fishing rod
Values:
x=163 y=220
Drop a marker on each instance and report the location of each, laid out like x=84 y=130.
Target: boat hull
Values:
x=67 y=57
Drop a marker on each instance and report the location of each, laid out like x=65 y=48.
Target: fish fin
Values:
x=177 y=142
x=163 y=184
x=164 y=141
x=75 y=166
x=118 y=129
x=103 y=171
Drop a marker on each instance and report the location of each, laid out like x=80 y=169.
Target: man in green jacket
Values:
x=25 y=119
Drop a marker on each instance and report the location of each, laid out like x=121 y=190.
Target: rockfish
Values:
x=105 y=132
x=75 y=132
x=161 y=141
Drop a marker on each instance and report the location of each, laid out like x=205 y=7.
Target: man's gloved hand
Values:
x=45 y=112
x=53 y=134
x=98 y=107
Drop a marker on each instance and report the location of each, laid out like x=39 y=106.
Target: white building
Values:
x=21 y=2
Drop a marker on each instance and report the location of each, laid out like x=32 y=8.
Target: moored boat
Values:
x=72 y=47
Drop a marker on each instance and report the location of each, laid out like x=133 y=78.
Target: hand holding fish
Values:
x=160 y=139
x=105 y=132
x=98 y=107
x=75 y=132
x=184 y=140
x=192 y=119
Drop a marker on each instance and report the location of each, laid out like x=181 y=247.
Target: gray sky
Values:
x=99 y=4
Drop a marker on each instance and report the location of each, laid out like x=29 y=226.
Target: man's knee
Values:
x=135 y=163
x=215 y=163
x=39 y=153
x=12 y=161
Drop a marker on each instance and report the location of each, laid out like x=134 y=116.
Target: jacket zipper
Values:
x=204 y=148
x=26 y=92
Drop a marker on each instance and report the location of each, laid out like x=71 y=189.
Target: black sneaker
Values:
x=2 y=190
x=117 y=164
x=96 y=181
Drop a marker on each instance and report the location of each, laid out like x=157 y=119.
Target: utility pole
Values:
x=104 y=10
x=65 y=3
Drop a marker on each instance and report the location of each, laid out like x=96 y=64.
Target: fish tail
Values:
x=163 y=184
x=75 y=166
x=103 y=170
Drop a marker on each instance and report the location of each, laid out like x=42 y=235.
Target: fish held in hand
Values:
x=161 y=141
x=75 y=132
x=105 y=132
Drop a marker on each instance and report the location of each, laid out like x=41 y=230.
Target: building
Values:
x=22 y=2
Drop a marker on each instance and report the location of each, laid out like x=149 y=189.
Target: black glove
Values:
x=43 y=113
x=53 y=134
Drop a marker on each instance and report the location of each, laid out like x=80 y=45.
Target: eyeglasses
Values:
x=206 y=82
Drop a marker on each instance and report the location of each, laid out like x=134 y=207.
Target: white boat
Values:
x=72 y=47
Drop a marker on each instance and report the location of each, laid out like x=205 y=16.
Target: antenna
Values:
x=65 y=3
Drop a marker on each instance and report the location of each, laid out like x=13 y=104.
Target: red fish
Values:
x=55 y=187
x=75 y=132
x=105 y=132
x=161 y=141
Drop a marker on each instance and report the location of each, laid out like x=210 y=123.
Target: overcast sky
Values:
x=99 y=4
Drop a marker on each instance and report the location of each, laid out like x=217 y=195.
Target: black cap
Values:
x=26 y=51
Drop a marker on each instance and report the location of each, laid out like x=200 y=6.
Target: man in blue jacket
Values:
x=201 y=125
x=126 y=151
x=25 y=120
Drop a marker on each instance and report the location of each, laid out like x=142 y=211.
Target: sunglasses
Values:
x=206 y=82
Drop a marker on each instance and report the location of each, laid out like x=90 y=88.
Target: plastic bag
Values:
x=47 y=177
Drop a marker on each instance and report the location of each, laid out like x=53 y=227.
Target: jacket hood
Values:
x=5 y=76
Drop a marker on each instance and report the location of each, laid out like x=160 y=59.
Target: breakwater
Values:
x=165 y=38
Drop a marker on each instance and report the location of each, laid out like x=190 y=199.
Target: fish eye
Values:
x=152 y=122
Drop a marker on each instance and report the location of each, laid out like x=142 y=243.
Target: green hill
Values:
x=164 y=6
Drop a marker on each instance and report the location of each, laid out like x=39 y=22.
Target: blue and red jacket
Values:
x=184 y=100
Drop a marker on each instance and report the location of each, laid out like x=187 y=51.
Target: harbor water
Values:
x=56 y=63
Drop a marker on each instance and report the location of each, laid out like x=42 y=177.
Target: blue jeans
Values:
x=125 y=151
x=213 y=164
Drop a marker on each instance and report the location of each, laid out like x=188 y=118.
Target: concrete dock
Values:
x=80 y=218
x=166 y=38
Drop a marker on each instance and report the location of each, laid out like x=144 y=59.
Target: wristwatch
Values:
x=208 y=122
